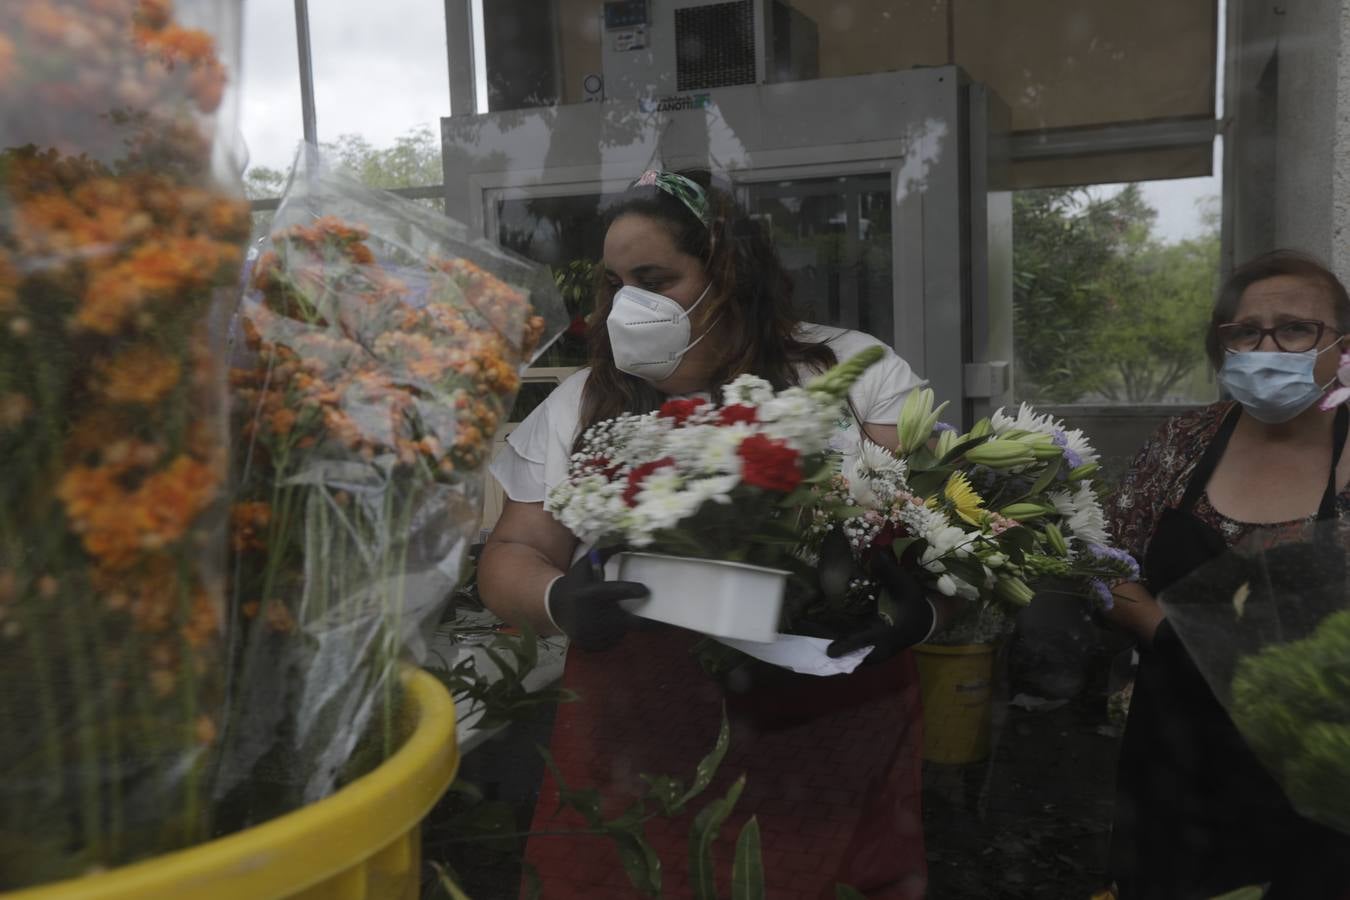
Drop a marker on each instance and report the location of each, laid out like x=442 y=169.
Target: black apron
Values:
x=1197 y=814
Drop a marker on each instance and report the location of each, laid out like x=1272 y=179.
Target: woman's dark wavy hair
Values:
x=752 y=290
x=1272 y=265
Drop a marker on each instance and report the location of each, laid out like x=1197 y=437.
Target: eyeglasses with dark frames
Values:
x=1298 y=336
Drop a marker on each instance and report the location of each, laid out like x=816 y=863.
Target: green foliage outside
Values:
x=1103 y=310
x=413 y=160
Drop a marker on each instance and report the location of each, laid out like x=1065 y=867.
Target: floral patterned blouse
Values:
x=1158 y=477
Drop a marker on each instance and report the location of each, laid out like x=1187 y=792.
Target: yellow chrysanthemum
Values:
x=968 y=504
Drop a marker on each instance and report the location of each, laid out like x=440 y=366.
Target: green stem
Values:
x=47 y=700
x=86 y=723
x=187 y=691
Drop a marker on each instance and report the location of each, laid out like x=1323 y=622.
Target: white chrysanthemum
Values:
x=1025 y=420
x=874 y=474
x=920 y=520
x=661 y=503
x=1077 y=443
x=1084 y=520
x=804 y=419
x=590 y=507
x=708 y=449
x=875 y=461
x=1063 y=503
x=750 y=390
x=648 y=441
x=945 y=540
x=718 y=488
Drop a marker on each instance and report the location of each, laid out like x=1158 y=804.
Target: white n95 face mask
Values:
x=649 y=332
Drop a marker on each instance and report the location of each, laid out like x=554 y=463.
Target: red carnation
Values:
x=769 y=463
x=736 y=412
x=601 y=465
x=639 y=475
x=679 y=410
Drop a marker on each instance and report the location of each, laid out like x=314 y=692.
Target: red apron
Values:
x=832 y=766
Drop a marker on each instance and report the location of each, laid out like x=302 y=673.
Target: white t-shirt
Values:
x=536 y=454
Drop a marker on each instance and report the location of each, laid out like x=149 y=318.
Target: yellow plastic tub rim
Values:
x=956 y=685
x=362 y=843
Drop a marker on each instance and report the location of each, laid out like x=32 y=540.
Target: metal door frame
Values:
x=936 y=151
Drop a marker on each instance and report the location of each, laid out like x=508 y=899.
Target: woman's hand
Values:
x=586 y=607
x=915 y=616
x=524 y=555
x=1135 y=610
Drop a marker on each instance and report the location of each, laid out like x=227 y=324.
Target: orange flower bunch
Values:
x=368 y=402
x=94 y=76
x=115 y=245
x=354 y=358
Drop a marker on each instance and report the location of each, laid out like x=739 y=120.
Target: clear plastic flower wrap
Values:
x=377 y=352
x=1268 y=626
x=122 y=230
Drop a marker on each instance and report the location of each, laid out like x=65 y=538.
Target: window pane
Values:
x=270 y=108
x=381 y=84
x=1113 y=286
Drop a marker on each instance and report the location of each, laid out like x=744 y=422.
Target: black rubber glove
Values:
x=914 y=616
x=586 y=607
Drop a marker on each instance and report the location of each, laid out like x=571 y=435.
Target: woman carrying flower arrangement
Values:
x=1196 y=813
x=695 y=296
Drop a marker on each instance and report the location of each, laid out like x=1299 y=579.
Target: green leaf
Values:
x=503 y=665
x=534 y=885
x=960 y=450
x=926 y=484
x=706 y=825
x=585 y=801
x=844 y=892
x=921 y=459
x=747 y=871
x=707 y=767
x=492 y=824
x=969 y=571
x=1046 y=478
x=1254 y=892
x=798 y=497
x=445 y=879
x=640 y=862
x=900 y=545
x=1020 y=538
x=665 y=792
x=828 y=469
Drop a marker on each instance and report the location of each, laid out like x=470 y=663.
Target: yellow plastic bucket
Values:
x=362 y=843
x=957 y=695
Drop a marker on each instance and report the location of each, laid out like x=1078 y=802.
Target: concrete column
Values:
x=1340 y=172
x=1288 y=130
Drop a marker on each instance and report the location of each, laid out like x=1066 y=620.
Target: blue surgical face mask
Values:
x=1273 y=387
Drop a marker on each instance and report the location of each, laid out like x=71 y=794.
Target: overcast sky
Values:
x=380 y=71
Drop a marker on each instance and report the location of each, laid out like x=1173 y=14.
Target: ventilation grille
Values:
x=714 y=45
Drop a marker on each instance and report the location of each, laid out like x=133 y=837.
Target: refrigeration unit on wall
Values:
x=662 y=48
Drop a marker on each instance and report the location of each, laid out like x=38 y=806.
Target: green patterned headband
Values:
x=682 y=189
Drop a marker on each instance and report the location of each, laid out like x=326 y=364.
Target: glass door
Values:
x=834 y=236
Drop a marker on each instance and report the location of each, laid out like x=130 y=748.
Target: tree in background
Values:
x=413 y=160
x=1158 y=310
x=1103 y=309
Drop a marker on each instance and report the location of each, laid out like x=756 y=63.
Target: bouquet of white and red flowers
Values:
x=706 y=482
